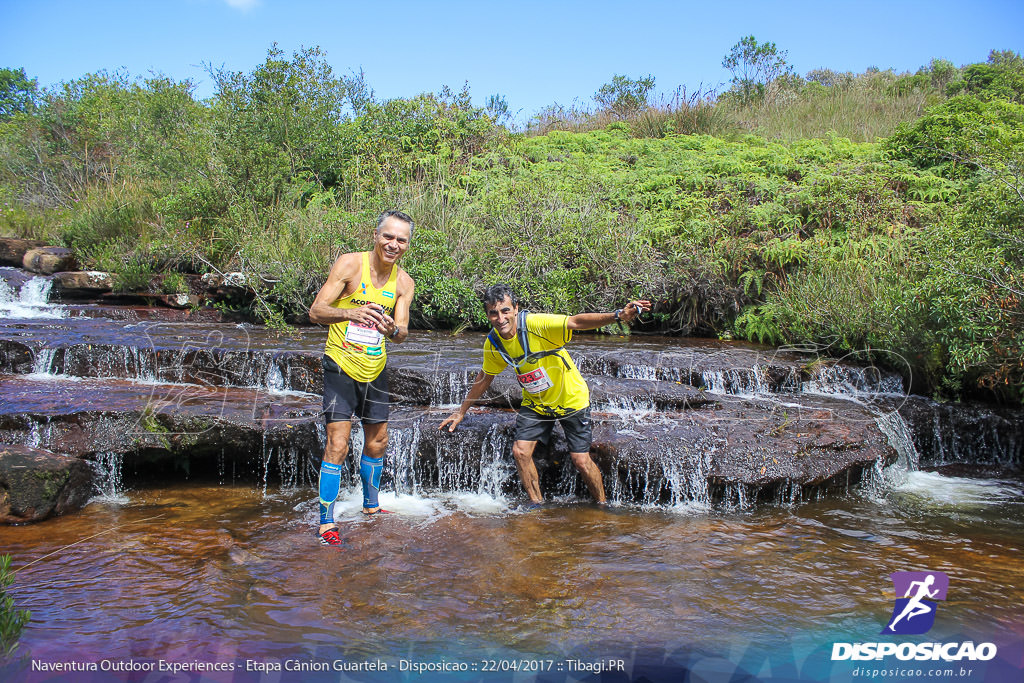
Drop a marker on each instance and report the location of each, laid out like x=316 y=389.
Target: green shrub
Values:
x=134 y=275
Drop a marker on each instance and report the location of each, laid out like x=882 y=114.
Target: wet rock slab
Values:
x=183 y=424
x=675 y=420
x=964 y=433
x=660 y=456
x=36 y=484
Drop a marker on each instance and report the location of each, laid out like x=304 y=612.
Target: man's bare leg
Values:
x=591 y=474
x=522 y=452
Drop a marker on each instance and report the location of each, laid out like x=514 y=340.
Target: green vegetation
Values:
x=877 y=213
x=755 y=67
x=12 y=621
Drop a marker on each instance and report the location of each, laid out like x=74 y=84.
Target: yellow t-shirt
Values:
x=550 y=386
x=362 y=351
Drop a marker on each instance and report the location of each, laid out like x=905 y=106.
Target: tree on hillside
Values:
x=279 y=122
x=17 y=93
x=624 y=97
x=358 y=92
x=1002 y=77
x=754 y=66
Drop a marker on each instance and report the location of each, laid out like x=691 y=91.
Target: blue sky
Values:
x=533 y=53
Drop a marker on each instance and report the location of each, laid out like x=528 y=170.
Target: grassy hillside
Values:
x=878 y=214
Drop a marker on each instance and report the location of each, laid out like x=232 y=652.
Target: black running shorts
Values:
x=531 y=426
x=345 y=397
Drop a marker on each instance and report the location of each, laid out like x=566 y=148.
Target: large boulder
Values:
x=83 y=283
x=37 y=484
x=49 y=260
x=13 y=250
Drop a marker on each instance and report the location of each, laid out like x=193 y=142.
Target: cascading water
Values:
x=109 y=479
x=852 y=381
x=459 y=558
x=43 y=362
x=31 y=300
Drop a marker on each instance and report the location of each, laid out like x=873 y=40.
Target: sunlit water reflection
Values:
x=227 y=572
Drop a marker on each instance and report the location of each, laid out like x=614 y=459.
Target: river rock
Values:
x=13 y=250
x=15 y=357
x=232 y=287
x=37 y=484
x=49 y=260
x=729 y=450
x=964 y=433
x=83 y=283
x=157 y=429
x=178 y=300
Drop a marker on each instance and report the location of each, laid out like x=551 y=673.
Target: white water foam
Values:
x=936 y=491
x=418 y=507
x=843 y=380
x=31 y=301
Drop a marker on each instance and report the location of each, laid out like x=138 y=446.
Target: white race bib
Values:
x=365 y=335
x=535 y=382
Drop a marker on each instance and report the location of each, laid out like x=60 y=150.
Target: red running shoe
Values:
x=331 y=537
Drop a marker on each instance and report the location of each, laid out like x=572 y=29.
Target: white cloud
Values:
x=244 y=5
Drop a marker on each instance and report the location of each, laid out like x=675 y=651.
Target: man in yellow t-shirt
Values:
x=553 y=388
x=365 y=301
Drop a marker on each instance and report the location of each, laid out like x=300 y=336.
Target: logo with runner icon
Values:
x=916 y=596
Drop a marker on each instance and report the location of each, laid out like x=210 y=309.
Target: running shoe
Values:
x=331 y=537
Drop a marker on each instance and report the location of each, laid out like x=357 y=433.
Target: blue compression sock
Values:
x=369 y=471
x=330 y=485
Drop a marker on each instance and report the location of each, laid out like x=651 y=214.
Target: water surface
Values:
x=230 y=573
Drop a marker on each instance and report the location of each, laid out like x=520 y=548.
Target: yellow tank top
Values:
x=359 y=350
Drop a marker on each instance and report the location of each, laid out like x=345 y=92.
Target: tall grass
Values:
x=681 y=113
x=857 y=113
x=12 y=621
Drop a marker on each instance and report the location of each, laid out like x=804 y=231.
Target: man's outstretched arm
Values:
x=592 y=321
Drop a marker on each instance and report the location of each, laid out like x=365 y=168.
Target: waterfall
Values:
x=42 y=364
x=852 y=380
x=273 y=380
x=403 y=446
x=109 y=481
x=881 y=479
x=740 y=381
x=449 y=388
x=496 y=468
x=32 y=300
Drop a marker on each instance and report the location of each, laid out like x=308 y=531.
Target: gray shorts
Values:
x=532 y=426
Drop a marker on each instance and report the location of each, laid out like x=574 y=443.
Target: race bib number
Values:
x=364 y=335
x=535 y=382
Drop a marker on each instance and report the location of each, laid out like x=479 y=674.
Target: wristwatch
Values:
x=618 y=312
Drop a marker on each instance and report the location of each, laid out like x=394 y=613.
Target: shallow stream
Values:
x=200 y=574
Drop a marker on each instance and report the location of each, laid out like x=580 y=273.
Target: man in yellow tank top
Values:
x=365 y=301
x=553 y=388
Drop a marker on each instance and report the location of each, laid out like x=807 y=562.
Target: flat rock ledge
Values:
x=37 y=484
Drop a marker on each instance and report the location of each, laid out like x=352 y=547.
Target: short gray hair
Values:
x=404 y=217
